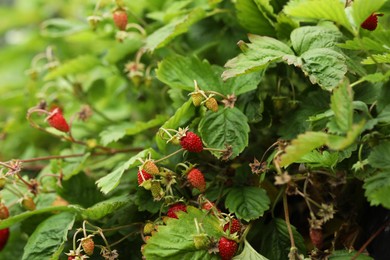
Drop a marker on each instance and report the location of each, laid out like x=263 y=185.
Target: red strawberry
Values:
x=143 y=176
x=176 y=207
x=227 y=248
x=208 y=205
x=120 y=18
x=371 y=22
x=234 y=225
x=57 y=120
x=191 y=142
x=88 y=245
x=4 y=234
x=196 y=178
x=4 y=213
x=316 y=237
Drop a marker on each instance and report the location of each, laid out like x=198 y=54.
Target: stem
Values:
x=170 y=155
x=50 y=157
x=287 y=217
x=122 y=239
x=380 y=229
x=136 y=26
x=357 y=82
x=216 y=93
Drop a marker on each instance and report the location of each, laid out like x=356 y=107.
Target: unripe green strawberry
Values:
x=57 y=120
x=191 y=142
x=3 y=181
x=227 y=248
x=175 y=208
x=197 y=98
x=120 y=18
x=88 y=245
x=196 y=179
x=4 y=213
x=143 y=176
x=28 y=203
x=201 y=241
x=148 y=228
x=234 y=226
x=212 y=104
x=150 y=167
x=156 y=190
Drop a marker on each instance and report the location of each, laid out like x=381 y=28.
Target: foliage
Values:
x=291 y=99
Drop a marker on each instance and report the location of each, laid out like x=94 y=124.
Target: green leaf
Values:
x=120 y=50
x=369 y=44
x=12 y=220
x=228 y=126
x=384 y=115
x=256 y=55
x=74 y=166
x=247 y=203
x=332 y=10
x=320 y=159
x=164 y=35
x=324 y=67
x=302 y=145
x=49 y=237
x=377 y=58
x=346 y=255
x=362 y=9
x=175 y=239
x=58 y=27
x=181 y=118
x=78 y=65
x=106 y=207
x=275 y=240
x=110 y=181
x=312 y=37
x=115 y=132
x=253 y=16
x=336 y=142
x=249 y=253
x=380 y=156
x=180 y=72
x=341 y=105
x=378 y=189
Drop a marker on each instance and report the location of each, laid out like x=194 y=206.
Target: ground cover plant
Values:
x=204 y=129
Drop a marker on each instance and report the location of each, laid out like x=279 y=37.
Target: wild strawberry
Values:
x=88 y=245
x=208 y=205
x=57 y=120
x=191 y=142
x=227 y=248
x=148 y=228
x=316 y=237
x=150 y=167
x=201 y=241
x=196 y=179
x=197 y=98
x=120 y=18
x=234 y=226
x=4 y=213
x=156 y=190
x=212 y=104
x=28 y=203
x=143 y=176
x=371 y=22
x=4 y=234
x=3 y=181
x=176 y=207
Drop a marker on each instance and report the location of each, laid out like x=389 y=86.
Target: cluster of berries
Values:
x=199 y=97
x=226 y=245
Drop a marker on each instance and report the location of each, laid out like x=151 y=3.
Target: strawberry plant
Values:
x=199 y=129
